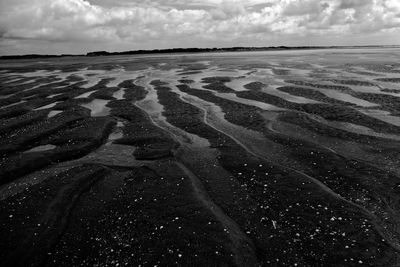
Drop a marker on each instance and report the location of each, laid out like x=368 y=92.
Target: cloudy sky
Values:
x=79 y=26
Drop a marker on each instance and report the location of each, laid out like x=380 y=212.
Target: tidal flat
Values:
x=279 y=158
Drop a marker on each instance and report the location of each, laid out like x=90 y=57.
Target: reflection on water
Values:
x=14 y=104
x=234 y=98
x=238 y=84
x=41 y=148
x=54 y=113
x=48 y=106
x=85 y=95
x=98 y=107
x=291 y=98
x=119 y=95
x=382 y=115
x=54 y=95
x=117 y=133
x=347 y=98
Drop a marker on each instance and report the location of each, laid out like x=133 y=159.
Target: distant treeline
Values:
x=186 y=50
x=197 y=50
x=33 y=56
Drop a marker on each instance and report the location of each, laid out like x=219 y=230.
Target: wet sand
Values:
x=233 y=159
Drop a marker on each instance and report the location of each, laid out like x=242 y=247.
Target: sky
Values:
x=81 y=26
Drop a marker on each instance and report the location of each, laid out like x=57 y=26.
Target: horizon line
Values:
x=188 y=50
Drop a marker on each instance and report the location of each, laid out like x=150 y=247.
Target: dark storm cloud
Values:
x=344 y=4
x=298 y=8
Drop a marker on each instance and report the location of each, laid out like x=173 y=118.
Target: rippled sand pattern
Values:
x=231 y=159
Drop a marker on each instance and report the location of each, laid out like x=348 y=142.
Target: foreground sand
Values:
x=246 y=159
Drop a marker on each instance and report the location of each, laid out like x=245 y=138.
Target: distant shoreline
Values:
x=191 y=50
